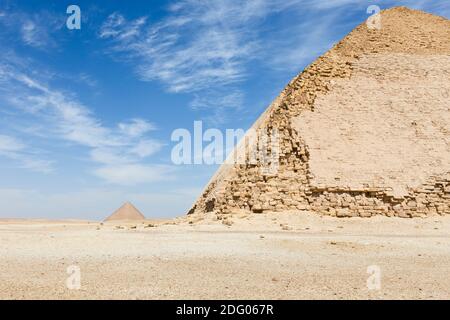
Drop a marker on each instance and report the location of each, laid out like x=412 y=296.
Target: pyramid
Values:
x=125 y=213
x=362 y=131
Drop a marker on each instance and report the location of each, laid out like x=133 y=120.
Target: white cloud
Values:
x=145 y=148
x=116 y=26
x=200 y=44
x=220 y=102
x=137 y=151
x=37 y=165
x=136 y=127
x=87 y=80
x=132 y=174
x=310 y=38
x=64 y=118
x=34 y=29
x=31 y=34
x=10 y=144
x=217 y=100
x=16 y=150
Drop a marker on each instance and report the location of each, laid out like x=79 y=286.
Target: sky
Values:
x=87 y=115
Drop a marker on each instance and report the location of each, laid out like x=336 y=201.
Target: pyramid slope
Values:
x=411 y=48
x=126 y=213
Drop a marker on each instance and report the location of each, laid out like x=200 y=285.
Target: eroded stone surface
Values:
x=385 y=127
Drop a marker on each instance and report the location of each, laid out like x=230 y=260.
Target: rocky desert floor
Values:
x=271 y=256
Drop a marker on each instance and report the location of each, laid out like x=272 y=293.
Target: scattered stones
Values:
x=227 y=222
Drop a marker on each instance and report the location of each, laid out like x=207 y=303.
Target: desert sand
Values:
x=291 y=255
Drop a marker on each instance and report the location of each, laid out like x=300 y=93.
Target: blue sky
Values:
x=86 y=116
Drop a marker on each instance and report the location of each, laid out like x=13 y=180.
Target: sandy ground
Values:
x=273 y=256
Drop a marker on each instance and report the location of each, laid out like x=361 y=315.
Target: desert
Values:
x=293 y=255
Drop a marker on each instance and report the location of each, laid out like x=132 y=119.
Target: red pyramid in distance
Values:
x=126 y=212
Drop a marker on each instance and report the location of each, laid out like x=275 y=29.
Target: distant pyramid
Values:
x=364 y=130
x=126 y=212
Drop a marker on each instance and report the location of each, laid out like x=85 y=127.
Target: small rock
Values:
x=227 y=222
x=150 y=225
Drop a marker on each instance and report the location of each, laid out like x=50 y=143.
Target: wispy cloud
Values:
x=223 y=102
x=86 y=79
x=309 y=39
x=198 y=46
x=188 y=51
x=19 y=152
x=31 y=34
x=119 y=28
x=10 y=144
x=132 y=174
x=117 y=150
x=206 y=47
x=34 y=29
x=135 y=127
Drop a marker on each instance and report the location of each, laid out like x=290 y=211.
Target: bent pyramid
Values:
x=126 y=212
x=364 y=130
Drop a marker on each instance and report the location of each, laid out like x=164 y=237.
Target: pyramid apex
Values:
x=126 y=212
